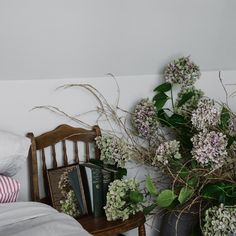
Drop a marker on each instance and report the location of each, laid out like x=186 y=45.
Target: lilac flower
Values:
x=209 y=149
x=206 y=115
x=182 y=71
x=166 y=151
x=145 y=120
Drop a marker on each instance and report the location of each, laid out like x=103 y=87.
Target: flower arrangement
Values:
x=191 y=138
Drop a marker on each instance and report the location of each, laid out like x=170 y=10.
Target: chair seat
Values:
x=101 y=227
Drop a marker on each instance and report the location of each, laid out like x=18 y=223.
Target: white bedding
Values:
x=36 y=219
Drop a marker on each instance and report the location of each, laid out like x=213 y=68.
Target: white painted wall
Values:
x=74 y=38
x=17 y=98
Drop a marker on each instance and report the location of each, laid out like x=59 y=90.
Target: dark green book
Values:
x=95 y=186
x=77 y=185
x=106 y=180
x=114 y=173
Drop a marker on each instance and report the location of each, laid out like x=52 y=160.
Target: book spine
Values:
x=97 y=192
x=107 y=178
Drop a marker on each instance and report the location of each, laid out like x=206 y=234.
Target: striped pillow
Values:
x=9 y=189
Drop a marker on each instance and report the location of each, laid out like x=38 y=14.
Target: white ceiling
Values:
x=81 y=38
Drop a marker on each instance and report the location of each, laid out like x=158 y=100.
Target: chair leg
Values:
x=141 y=230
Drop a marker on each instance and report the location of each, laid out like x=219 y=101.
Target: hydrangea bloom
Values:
x=220 y=221
x=68 y=203
x=145 y=120
x=187 y=107
x=113 y=150
x=166 y=151
x=206 y=115
x=182 y=71
x=118 y=205
x=209 y=149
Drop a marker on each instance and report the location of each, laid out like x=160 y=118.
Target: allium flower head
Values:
x=113 y=150
x=182 y=71
x=118 y=205
x=187 y=107
x=206 y=115
x=145 y=120
x=166 y=151
x=209 y=149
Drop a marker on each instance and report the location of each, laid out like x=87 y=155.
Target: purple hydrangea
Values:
x=182 y=71
x=145 y=119
x=209 y=149
x=206 y=115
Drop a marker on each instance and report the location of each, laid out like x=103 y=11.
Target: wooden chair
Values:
x=64 y=133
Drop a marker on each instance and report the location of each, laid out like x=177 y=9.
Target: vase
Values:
x=175 y=223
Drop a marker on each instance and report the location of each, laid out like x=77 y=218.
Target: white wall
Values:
x=17 y=98
x=74 y=38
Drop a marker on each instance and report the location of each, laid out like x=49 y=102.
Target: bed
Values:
x=26 y=218
x=37 y=219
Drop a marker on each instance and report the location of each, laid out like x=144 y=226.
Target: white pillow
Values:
x=13 y=152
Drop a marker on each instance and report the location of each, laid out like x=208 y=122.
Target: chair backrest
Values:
x=62 y=134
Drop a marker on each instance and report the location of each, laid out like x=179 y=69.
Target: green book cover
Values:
x=95 y=186
x=77 y=186
x=106 y=180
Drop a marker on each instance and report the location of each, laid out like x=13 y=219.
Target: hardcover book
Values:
x=93 y=176
x=77 y=185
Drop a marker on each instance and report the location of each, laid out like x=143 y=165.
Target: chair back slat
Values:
x=87 y=152
x=54 y=158
x=65 y=158
x=44 y=165
x=61 y=134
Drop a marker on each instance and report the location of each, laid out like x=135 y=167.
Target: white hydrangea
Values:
x=220 y=221
x=206 y=115
x=113 y=150
x=118 y=205
x=166 y=151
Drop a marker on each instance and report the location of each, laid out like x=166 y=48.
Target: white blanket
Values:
x=36 y=219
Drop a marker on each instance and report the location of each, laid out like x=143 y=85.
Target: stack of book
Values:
x=90 y=183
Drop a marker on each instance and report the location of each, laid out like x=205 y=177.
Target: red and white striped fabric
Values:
x=9 y=189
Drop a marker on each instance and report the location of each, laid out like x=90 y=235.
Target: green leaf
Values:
x=147 y=210
x=193 y=182
x=163 y=118
x=121 y=172
x=165 y=198
x=160 y=100
x=185 y=193
x=177 y=120
x=230 y=140
x=135 y=197
x=185 y=98
x=224 y=118
x=165 y=87
x=150 y=186
x=184 y=172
